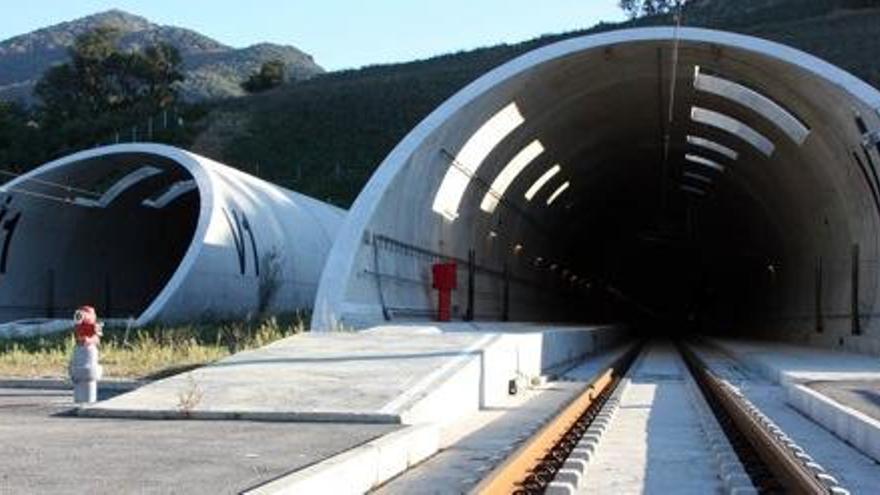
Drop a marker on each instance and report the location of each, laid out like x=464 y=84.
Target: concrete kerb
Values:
x=269 y=416
x=64 y=384
x=360 y=469
x=854 y=427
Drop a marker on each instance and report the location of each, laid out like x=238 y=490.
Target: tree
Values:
x=100 y=79
x=642 y=8
x=19 y=138
x=161 y=74
x=271 y=74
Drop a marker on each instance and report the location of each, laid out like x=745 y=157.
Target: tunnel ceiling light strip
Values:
x=692 y=190
x=544 y=179
x=713 y=146
x=118 y=188
x=510 y=172
x=769 y=109
x=698 y=177
x=699 y=160
x=561 y=189
x=176 y=190
x=471 y=157
x=733 y=126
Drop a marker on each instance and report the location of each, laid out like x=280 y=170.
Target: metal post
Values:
x=385 y=313
x=107 y=299
x=856 y=323
x=505 y=303
x=472 y=265
x=150 y=128
x=50 y=294
x=819 y=320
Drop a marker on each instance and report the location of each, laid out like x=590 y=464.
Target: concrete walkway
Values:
x=792 y=363
x=852 y=380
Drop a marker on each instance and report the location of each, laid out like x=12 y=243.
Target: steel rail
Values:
x=532 y=466
x=789 y=473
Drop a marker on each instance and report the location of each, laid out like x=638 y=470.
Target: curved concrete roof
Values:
x=206 y=227
x=599 y=107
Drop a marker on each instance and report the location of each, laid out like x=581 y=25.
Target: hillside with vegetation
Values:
x=325 y=136
x=212 y=69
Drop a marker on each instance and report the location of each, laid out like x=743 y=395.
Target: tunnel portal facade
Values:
x=686 y=177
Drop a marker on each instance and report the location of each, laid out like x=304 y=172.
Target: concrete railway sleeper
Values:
x=555 y=459
x=532 y=467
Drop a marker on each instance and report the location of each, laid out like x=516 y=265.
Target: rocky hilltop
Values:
x=213 y=70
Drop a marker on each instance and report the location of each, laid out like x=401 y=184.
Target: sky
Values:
x=340 y=34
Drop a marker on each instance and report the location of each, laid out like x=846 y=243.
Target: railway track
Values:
x=587 y=448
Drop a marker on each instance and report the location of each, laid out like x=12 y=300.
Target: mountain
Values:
x=324 y=137
x=213 y=70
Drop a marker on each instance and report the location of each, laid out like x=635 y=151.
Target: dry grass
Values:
x=147 y=352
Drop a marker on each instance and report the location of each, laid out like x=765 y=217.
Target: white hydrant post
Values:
x=85 y=370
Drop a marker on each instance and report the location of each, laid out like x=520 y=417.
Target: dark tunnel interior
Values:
x=108 y=231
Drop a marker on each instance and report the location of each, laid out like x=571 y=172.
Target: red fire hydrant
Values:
x=84 y=368
x=445 y=282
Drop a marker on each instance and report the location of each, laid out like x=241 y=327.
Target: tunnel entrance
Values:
x=692 y=179
x=108 y=231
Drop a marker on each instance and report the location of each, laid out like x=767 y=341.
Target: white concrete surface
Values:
x=476 y=444
x=225 y=245
x=787 y=363
x=791 y=366
x=854 y=470
x=592 y=100
x=858 y=429
x=360 y=469
x=655 y=444
x=403 y=374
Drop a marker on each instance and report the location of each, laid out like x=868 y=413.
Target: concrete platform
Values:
x=838 y=390
x=401 y=374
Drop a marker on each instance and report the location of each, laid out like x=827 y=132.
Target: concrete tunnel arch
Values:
x=152 y=233
x=768 y=181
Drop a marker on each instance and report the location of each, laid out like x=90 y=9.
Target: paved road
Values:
x=44 y=451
